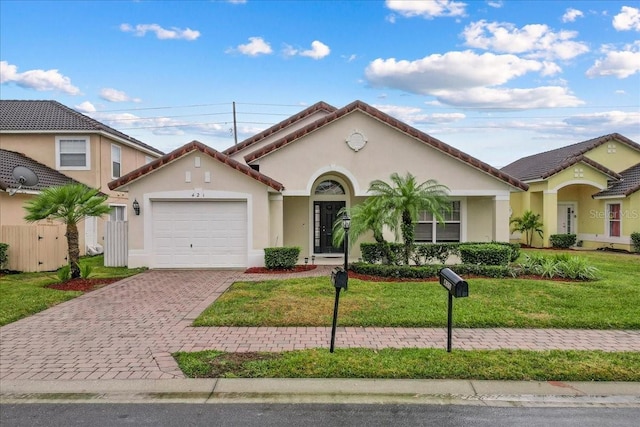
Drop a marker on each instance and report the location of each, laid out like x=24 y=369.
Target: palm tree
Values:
x=69 y=204
x=405 y=199
x=528 y=223
x=366 y=216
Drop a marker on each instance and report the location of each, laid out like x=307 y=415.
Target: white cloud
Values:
x=608 y=121
x=627 y=19
x=571 y=14
x=453 y=70
x=256 y=46
x=534 y=40
x=496 y=3
x=161 y=33
x=620 y=64
x=85 y=107
x=509 y=99
x=114 y=95
x=318 y=50
x=427 y=8
x=40 y=80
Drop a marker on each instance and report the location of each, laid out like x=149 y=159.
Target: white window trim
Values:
x=113 y=205
x=607 y=220
x=113 y=161
x=434 y=225
x=87 y=145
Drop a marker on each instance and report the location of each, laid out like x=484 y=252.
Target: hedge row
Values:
x=281 y=258
x=494 y=253
x=431 y=271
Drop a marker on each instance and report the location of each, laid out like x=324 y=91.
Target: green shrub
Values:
x=430 y=271
x=577 y=268
x=4 y=256
x=560 y=265
x=385 y=253
x=635 y=239
x=562 y=240
x=85 y=270
x=425 y=253
x=486 y=254
x=281 y=258
x=64 y=273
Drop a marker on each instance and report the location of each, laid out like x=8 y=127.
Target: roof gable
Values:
x=47 y=177
x=319 y=106
x=43 y=116
x=628 y=184
x=186 y=149
x=543 y=165
x=394 y=123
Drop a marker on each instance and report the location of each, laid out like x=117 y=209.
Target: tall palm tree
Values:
x=366 y=216
x=528 y=223
x=69 y=204
x=404 y=199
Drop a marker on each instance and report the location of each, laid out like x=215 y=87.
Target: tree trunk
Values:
x=74 y=250
x=408 y=235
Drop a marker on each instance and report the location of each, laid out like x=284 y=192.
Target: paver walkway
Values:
x=129 y=329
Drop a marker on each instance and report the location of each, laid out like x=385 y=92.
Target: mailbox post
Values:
x=340 y=277
x=457 y=288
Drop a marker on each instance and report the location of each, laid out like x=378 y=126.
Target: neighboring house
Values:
x=77 y=146
x=591 y=189
x=283 y=187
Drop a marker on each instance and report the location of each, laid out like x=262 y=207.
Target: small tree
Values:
x=528 y=224
x=69 y=204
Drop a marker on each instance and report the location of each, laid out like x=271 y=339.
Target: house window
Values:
x=72 y=153
x=117 y=213
x=115 y=161
x=329 y=187
x=429 y=230
x=614 y=219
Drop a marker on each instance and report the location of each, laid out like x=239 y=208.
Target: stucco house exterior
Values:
x=591 y=189
x=283 y=187
x=72 y=145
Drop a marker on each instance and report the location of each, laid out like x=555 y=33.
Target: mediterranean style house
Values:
x=61 y=145
x=200 y=208
x=591 y=189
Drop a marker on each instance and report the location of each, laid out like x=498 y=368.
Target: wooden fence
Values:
x=41 y=247
x=115 y=243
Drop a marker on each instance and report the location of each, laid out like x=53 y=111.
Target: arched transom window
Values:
x=329 y=187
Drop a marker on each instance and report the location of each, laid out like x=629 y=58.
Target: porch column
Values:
x=549 y=215
x=501 y=231
x=276 y=220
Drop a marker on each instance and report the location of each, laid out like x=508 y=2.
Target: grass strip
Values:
x=516 y=365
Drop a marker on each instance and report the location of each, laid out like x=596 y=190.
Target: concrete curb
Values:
x=366 y=391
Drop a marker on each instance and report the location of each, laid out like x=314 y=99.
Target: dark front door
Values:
x=324 y=215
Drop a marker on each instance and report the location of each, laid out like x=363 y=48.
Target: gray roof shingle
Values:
x=34 y=116
x=543 y=165
x=47 y=177
x=628 y=184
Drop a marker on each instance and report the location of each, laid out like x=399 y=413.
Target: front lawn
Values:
x=24 y=294
x=609 y=303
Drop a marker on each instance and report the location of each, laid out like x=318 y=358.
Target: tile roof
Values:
x=319 y=106
x=385 y=118
x=628 y=184
x=185 y=149
x=47 y=177
x=544 y=165
x=39 y=116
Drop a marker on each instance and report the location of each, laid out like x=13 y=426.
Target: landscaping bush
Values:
x=64 y=273
x=430 y=271
x=559 y=265
x=426 y=253
x=486 y=254
x=85 y=270
x=635 y=240
x=563 y=241
x=281 y=258
x=4 y=256
x=385 y=253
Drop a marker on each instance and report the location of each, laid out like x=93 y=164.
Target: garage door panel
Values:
x=188 y=234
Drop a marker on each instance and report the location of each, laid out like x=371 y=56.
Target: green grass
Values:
x=609 y=303
x=517 y=365
x=24 y=294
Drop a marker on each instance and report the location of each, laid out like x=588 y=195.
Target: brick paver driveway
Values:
x=129 y=329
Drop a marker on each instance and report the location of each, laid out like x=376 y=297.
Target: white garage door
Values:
x=206 y=234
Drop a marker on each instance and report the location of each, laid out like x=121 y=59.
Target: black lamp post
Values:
x=346 y=224
x=340 y=278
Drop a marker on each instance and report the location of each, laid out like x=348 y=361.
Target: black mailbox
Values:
x=339 y=277
x=453 y=283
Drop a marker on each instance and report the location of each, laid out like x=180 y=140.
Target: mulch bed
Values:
x=296 y=269
x=84 y=285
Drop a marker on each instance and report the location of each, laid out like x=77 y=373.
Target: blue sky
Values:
x=496 y=79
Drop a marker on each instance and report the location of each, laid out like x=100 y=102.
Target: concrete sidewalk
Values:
x=365 y=391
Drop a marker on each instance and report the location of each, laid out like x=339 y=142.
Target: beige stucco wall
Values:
x=479 y=211
x=169 y=183
x=296 y=224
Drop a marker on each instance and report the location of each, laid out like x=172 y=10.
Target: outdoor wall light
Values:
x=346 y=222
x=136 y=207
